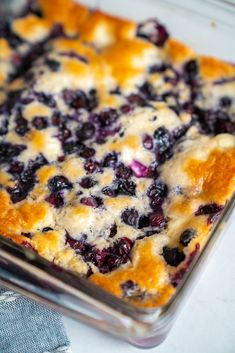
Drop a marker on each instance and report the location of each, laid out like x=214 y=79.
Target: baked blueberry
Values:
x=58 y=183
x=187 y=236
x=173 y=256
x=153 y=31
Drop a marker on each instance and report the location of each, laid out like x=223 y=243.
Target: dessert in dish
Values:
x=117 y=146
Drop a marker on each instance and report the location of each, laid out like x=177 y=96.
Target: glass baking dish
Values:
x=198 y=24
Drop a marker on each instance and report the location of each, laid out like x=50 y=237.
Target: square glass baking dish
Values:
x=208 y=27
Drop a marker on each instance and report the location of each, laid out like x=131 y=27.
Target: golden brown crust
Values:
x=212 y=69
x=68 y=13
x=147 y=270
x=104 y=30
x=48 y=244
x=31 y=28
x=178 y=53
x=216 y=184
x=23 y=218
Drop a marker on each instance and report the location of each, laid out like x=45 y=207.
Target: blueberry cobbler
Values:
x=117 y=146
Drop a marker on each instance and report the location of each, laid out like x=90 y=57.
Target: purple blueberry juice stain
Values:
x=173 y=80
x=139 y=170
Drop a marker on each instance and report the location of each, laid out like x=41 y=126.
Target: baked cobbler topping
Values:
x=117 y=146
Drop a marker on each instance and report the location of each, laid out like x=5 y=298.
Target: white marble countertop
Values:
x=206 y=324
